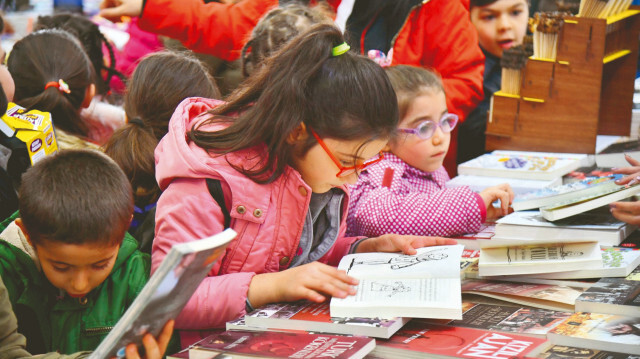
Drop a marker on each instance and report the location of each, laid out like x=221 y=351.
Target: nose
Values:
x=80 y=282
x=436 y=139
x=504 y=23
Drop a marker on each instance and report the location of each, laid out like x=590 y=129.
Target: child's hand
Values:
x=154 y=349
x=112 y=10
x=313 y=281
x=626 y=211
x=502 y=192
x=401 y=243
x=633 y=172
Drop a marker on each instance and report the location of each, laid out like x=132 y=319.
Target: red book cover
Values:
x=283 y=345
x=456 y=342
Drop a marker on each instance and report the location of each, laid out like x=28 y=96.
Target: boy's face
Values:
x=426 y=155
x=501 y=25
x=76 y=268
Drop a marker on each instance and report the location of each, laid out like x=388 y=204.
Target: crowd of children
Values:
x=319 y=152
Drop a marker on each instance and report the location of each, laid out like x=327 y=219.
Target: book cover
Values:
x=545 y=296
x=611 y=296
x=613 y=155
x=528 y=321
x=468 y=260
x=522 y=165
x=315 y=317
x=422 y=340
x=519 y=186
x=580 y=205
x=616 y=262
x=597 y=224
x=634 y=275
x=568 y=352
x=470 y=240
x=271 y=344
x=166 y=293
x=425 y=285
x=599 y=331
x=516 y=259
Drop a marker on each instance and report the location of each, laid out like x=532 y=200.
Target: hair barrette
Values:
x=340 y=49
x=60 y=85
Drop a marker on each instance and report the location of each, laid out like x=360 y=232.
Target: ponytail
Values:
x=345 y=97
x=50 y=56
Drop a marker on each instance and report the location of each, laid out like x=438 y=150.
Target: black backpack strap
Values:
x=215 y=189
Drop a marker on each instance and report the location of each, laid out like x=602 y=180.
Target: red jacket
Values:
x=216 y=29
x=438 y=34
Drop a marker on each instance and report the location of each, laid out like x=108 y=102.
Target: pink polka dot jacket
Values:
x=393 y=197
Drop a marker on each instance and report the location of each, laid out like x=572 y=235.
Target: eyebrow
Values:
x=425 y=118
x=71 y=265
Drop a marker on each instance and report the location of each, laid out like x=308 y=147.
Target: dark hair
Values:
x=92 y=41
x=76 y=197
x=49 y=56
x=159 y=83
x=410 y=82
x=346 y=97
x=276 y=28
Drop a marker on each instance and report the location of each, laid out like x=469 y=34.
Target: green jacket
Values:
x=55 y=322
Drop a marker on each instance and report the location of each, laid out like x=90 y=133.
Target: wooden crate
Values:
x=587 y=91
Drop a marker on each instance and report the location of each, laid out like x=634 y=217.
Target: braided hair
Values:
x=276 y=28
x=92 y=41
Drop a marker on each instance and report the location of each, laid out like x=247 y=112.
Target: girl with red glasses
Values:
x=282 y=149
x=405 y=192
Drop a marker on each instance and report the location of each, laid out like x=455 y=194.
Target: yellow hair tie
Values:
x=340 y=49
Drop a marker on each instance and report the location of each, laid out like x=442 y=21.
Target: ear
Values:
x=298 y=134
x=88 y=96
x=24 y=231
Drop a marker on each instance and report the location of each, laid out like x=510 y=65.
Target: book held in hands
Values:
x=315 y=317
x=425 y=285
x=166 y=293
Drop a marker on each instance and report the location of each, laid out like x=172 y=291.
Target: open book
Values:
x=511 y=257
x=425 y=285
x=166 y=293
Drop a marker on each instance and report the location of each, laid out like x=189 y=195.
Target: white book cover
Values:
x=425 y=285
x=519 y=186
x=616 y=262
x=516 y=258
x=523 y=165
x=166 y=293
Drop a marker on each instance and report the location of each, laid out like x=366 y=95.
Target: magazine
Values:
x=166 y=293
x=425 y=285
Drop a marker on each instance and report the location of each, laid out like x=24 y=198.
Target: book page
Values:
x=429 y=262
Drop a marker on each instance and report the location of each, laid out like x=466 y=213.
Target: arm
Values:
x=187 y=212
x=215 y=29
x=452 y=49
x=381 y=210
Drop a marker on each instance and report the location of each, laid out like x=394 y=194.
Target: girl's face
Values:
x=426 y=155
x=500 y=25
x=318 y=169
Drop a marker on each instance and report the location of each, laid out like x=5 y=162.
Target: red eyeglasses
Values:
x=345 y=171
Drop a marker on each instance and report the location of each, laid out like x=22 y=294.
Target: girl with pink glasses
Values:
x=281 y=150
x=404 y=193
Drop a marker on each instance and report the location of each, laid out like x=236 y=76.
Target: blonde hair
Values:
x=410 y=82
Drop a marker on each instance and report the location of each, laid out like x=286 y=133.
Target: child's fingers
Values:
x=165 y=336
x=151 y=347
x=131 y=352
x=631 y=160
x=631 y=207
x=626 y=216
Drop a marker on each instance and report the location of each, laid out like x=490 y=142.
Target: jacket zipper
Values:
x=98 y=330
x=395 y=37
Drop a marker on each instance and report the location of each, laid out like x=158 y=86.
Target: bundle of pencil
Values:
x=545 y=27
x=602 y=9
x=512 y=62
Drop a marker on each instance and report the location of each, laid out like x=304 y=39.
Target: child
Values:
x=69 y=267
x=404 y=193
x=160 y=82
x=280 y=153
x=501 y=24
x=52 y=73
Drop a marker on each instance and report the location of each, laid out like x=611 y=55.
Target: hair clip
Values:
x=60 y=85
x=380 y=58
x=340 y=49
